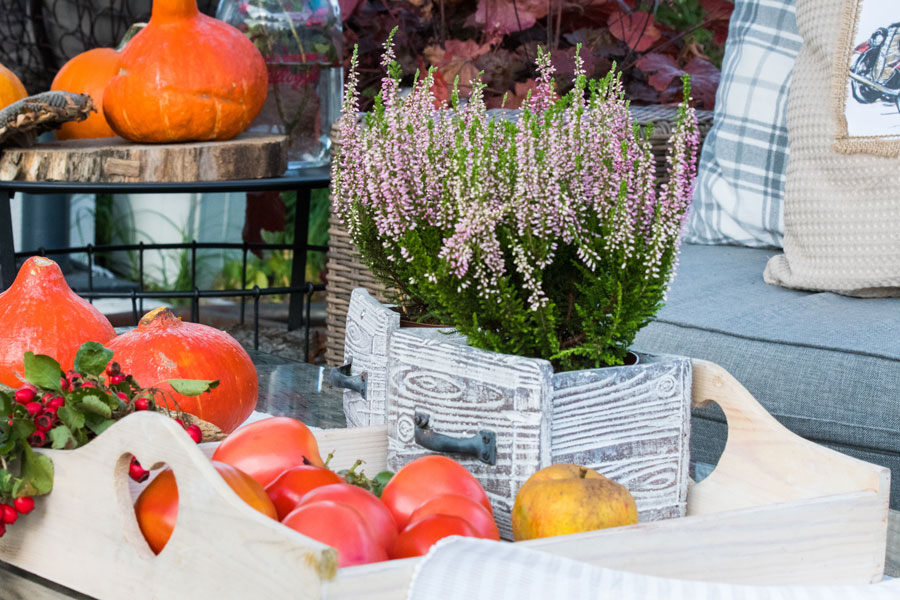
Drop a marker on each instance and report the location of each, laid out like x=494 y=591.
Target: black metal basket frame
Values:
x=300 y=291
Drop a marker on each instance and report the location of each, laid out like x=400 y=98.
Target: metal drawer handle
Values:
x=482 y=445
x=340 y=377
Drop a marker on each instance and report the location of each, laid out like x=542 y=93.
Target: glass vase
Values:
x=301 y=41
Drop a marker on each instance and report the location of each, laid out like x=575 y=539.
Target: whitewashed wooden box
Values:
x=630 y=423
x=777 y=510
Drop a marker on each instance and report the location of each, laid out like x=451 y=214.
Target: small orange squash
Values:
x=41 y=314
x=11 y=88
x=164 y=347
x=186 y=77
x=88 y=73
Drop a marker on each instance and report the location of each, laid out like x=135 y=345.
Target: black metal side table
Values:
x=302 y=181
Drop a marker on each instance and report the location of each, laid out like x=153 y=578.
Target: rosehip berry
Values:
x=43 y=422
x=113 y=368
x=142 y=403
x=195 y=433
x=34 y=408
x=116 y=379
x=88 y=384
x=9 y=514
x=64 y=384
x=2 y=529
x=37 y=439
x=55 y=402
x=24 y=395
x=24 y=505
x=51 y=412
x=122 y=396
x=137 y=472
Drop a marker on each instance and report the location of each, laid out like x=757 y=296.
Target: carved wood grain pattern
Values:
x=632 y=425
x=465 y=390
x=369 y=325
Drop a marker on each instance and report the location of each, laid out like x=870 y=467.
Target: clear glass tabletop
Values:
x=286 y=387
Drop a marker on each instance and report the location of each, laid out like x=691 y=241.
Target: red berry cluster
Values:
x=43 y=410
x=9 y=514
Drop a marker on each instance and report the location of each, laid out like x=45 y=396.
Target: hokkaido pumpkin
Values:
x=186 y=77
x=41 y=314
x=11 y=89
x=88 y=73
x=164 y=347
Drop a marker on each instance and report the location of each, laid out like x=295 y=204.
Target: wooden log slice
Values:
x=116 y=160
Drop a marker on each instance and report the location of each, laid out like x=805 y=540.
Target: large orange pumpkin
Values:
x=88 y=73
x=41 y=314
x=186 y=77
x=164 y=347
x=156 y=508
x=11 y=89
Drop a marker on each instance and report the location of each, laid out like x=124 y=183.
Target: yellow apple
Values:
x=562 y=499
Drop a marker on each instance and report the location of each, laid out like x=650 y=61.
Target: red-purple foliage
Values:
x=652 y=42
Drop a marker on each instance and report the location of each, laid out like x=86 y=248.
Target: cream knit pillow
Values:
x=842 y=195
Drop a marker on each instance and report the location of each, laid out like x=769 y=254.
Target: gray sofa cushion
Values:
x=826 y=366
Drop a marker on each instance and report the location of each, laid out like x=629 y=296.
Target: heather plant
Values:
x=541 y=234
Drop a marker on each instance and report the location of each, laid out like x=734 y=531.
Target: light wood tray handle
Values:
x=765 y=463
x=220 y=546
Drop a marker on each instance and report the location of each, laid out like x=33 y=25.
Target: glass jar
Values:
x=301 y=41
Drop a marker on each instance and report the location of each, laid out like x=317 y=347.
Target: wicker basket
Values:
x=347 y=272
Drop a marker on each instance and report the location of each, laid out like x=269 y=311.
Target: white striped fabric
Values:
x=739 y=191
x=459 y=568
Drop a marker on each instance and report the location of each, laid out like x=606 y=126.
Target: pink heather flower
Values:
x=504 y=199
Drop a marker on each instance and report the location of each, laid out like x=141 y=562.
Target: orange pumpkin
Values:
x=88 y=73
x=164 y=347
x=186 y=77
x=41 y=314
x=11 y=89
x=156 y=508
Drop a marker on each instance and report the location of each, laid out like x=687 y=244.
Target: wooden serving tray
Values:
x=116 y=160
x=777 y=510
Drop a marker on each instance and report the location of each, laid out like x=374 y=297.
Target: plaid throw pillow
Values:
x=740 y=184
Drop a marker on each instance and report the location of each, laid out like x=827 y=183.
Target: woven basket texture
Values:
x=347 y=272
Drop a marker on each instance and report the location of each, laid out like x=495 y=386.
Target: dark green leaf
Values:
x=7 y=403
x=193 y=387
x=21 y=429
x=98 y=424
x=37 y=472
x=92 y=358
x=6 y=482
x=71 y=417
x=62 y=438
x=94 y=404
x=381 y=480
x=42 y=371
x=7 y=447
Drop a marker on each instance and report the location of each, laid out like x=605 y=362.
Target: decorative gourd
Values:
x=164 y=347
x=41 y=314
x=11 y=89
x=186 y=77
x=88 y=73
